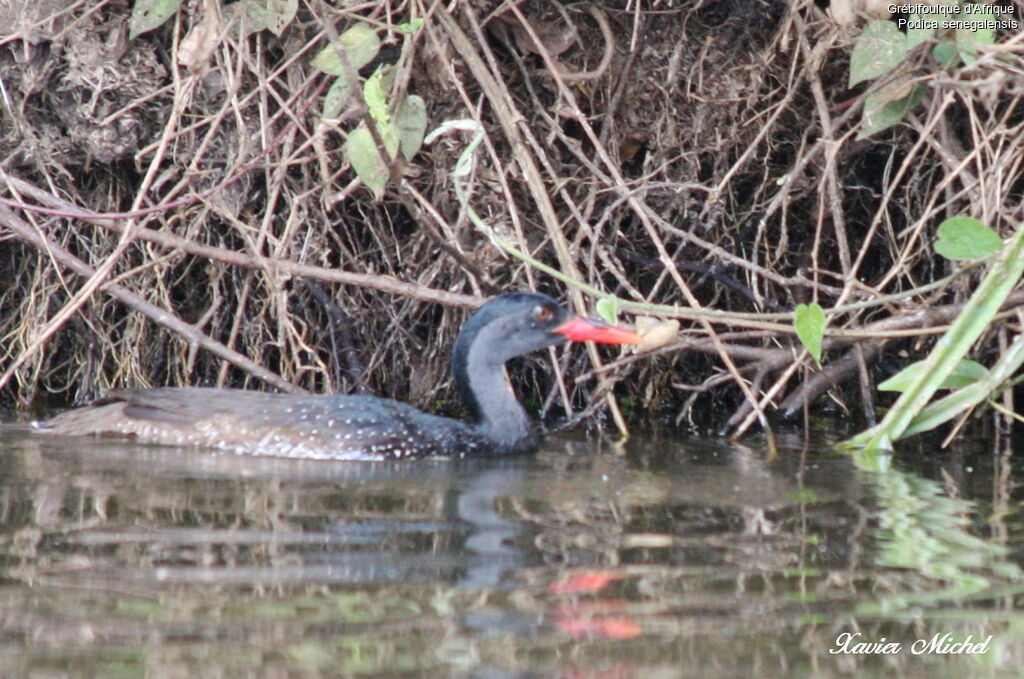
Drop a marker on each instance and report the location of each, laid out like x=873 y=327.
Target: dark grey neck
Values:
x=485 y=389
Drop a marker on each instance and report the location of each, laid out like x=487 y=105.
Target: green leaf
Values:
x=328 y=61
x=412 y=125
x=946 y=54
x=880 y=47
x=366 y=161
x=411 y=26
x=967 y=397
x=608 y=308
x=882 y=111
x=360 y=45
x=966 y=238
x=968 y=41
x=389 y=135
x=375 y=97
x=279 y=13
x=246 y=17
x=950 y=349
x=916 y=36
x=809 y=320
x=337 y=96
x=150 y=14
x=966 y=372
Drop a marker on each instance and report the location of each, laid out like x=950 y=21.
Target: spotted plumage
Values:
x=356 y=427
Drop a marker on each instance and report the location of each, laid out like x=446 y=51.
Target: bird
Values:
x=350 y=427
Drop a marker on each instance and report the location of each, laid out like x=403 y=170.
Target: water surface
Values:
x=662 y=557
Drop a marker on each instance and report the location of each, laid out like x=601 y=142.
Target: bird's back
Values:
x=310 y=427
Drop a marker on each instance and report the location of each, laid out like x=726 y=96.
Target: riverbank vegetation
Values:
x=306 y=196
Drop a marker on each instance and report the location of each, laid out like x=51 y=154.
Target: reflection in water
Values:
x=283 y=522
x=923 y=529
x=582 y=562
x=488 y=547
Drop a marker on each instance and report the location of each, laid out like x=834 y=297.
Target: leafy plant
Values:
x=966 y=372
x=809 y=320
x=882 y=48
x=359 y=45
x=150 y=14
x=608 y=308
x=887 y=106
x=879 y=48
x=945 y=367
x=247 y=16
x=252 y=16
x=403 y=131
x=966 y=238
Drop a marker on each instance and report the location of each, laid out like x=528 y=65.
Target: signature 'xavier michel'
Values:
x=940 y=643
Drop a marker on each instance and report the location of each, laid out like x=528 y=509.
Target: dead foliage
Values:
x=177 y=211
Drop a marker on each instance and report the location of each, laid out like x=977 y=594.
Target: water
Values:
x=658 y=558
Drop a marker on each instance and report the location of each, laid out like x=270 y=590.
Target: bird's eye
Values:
x=542 y=313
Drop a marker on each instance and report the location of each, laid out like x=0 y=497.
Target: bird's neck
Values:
x=486 y=391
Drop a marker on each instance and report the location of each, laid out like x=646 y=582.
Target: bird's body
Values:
x=357 y=427
x=257 y=423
